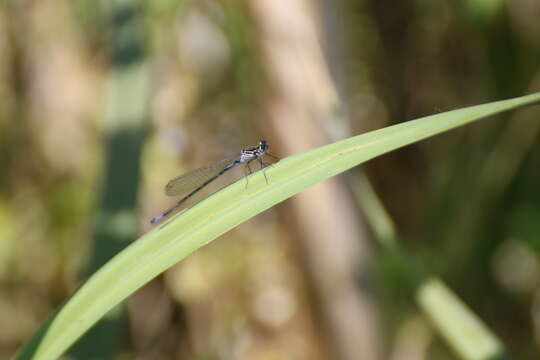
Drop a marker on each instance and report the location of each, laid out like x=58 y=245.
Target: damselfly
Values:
x=193 y=181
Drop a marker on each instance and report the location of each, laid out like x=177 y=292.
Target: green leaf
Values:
x=461 y=328
x=173 y=240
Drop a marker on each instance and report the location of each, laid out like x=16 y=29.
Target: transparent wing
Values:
x=189 y=181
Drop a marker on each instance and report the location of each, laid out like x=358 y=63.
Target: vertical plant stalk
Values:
x=125 y=113
x=324 y=218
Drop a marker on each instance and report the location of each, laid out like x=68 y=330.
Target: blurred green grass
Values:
x=474 y=191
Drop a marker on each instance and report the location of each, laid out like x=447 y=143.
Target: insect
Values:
x=195 y=180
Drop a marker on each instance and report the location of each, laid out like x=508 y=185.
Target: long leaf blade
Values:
x=170 y=242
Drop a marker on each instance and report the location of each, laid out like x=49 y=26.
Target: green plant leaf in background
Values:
x=173 y=240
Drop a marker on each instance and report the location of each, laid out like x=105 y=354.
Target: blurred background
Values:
x=102 y=102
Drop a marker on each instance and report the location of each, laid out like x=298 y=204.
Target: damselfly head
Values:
x=263 y=145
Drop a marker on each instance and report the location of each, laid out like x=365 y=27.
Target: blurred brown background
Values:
x=102 y=102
